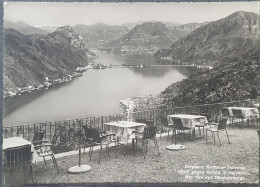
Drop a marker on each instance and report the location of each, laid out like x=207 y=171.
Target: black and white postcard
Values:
x=131 y=92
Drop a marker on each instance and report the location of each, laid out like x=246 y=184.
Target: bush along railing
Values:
x=211 y=111
x=65 y=129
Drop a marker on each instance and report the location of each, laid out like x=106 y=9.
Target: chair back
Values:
x=164 y=121
x=225 y=112
x=17 y=157
x=87 y=131
x=38 y=136
x=222 y=124
x=95 y=135
x=140 y=120
x=177 y=123
x=237 y=113
x=204 y=110
x=149 y=132
x=54 y=138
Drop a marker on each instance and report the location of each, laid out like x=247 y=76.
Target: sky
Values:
x=88 y=13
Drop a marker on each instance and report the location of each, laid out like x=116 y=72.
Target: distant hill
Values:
x=23 y=28
x=216 y=41
x=98 y=34
x=231 y=80
x=148 y=38
x=29 y=59
x=48 y=28
x=130 y=26
x=187 y=28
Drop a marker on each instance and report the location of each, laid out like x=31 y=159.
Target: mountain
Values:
x=130 y=26
x=187 y=28
x=216 y=41
x=145 y=38
x=23 y=28
x=98 y=34
x=29 y=59
x=150 y=36
x=48 y=28
x=232 y=80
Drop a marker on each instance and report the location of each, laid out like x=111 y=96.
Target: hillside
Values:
x=216 y=41
x=29 y=59
x=149 y=37
x=23 y=28
x=96 y=35
x=233 y=80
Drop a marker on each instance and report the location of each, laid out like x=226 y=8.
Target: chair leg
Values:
x=218 y=139
x=44 y=160
x=108 y=149
x=175 y=136
x=134 y=146
x=32 y=170
x=146 y=148
x=183 y=136
x=157 y=147
x=100 y=153
x=206 y=136
x=161 y=131
x=116 y=149
x=143 y=149
x=55 y=163
x=227 y=136
x=90 y=152
x=172 y=134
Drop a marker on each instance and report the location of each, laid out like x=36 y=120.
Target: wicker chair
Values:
x=237 y=114
x=216 y=128
x=95 y=138
x=165 y=125
x=43 y=148
x=226 y=114
x=15 y=159
x=180 y=129
x=149 y=134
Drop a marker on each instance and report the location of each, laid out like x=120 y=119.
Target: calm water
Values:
x=96 y=93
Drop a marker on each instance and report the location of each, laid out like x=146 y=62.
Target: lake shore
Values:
x=142 y=103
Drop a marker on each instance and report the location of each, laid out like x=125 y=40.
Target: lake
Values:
x=96 y=93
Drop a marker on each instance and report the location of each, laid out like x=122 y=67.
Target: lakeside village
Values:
x=78 y=73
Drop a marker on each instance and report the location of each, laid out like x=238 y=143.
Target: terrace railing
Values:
x=66 y=128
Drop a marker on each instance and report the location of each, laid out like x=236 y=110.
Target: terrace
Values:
x=200 y=162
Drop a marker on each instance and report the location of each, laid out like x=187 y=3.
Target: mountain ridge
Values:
x=216 y=41
x=29 y=60
x=23 y=28
x=147 y=37
x=237 y=79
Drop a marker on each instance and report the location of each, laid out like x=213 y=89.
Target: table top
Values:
x=243 y=108
x=125 y=124
x=14 y=142
x=187 y=116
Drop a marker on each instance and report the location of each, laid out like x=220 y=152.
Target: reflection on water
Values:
x=97 y=92
x=159 y=71
x=14 y=103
